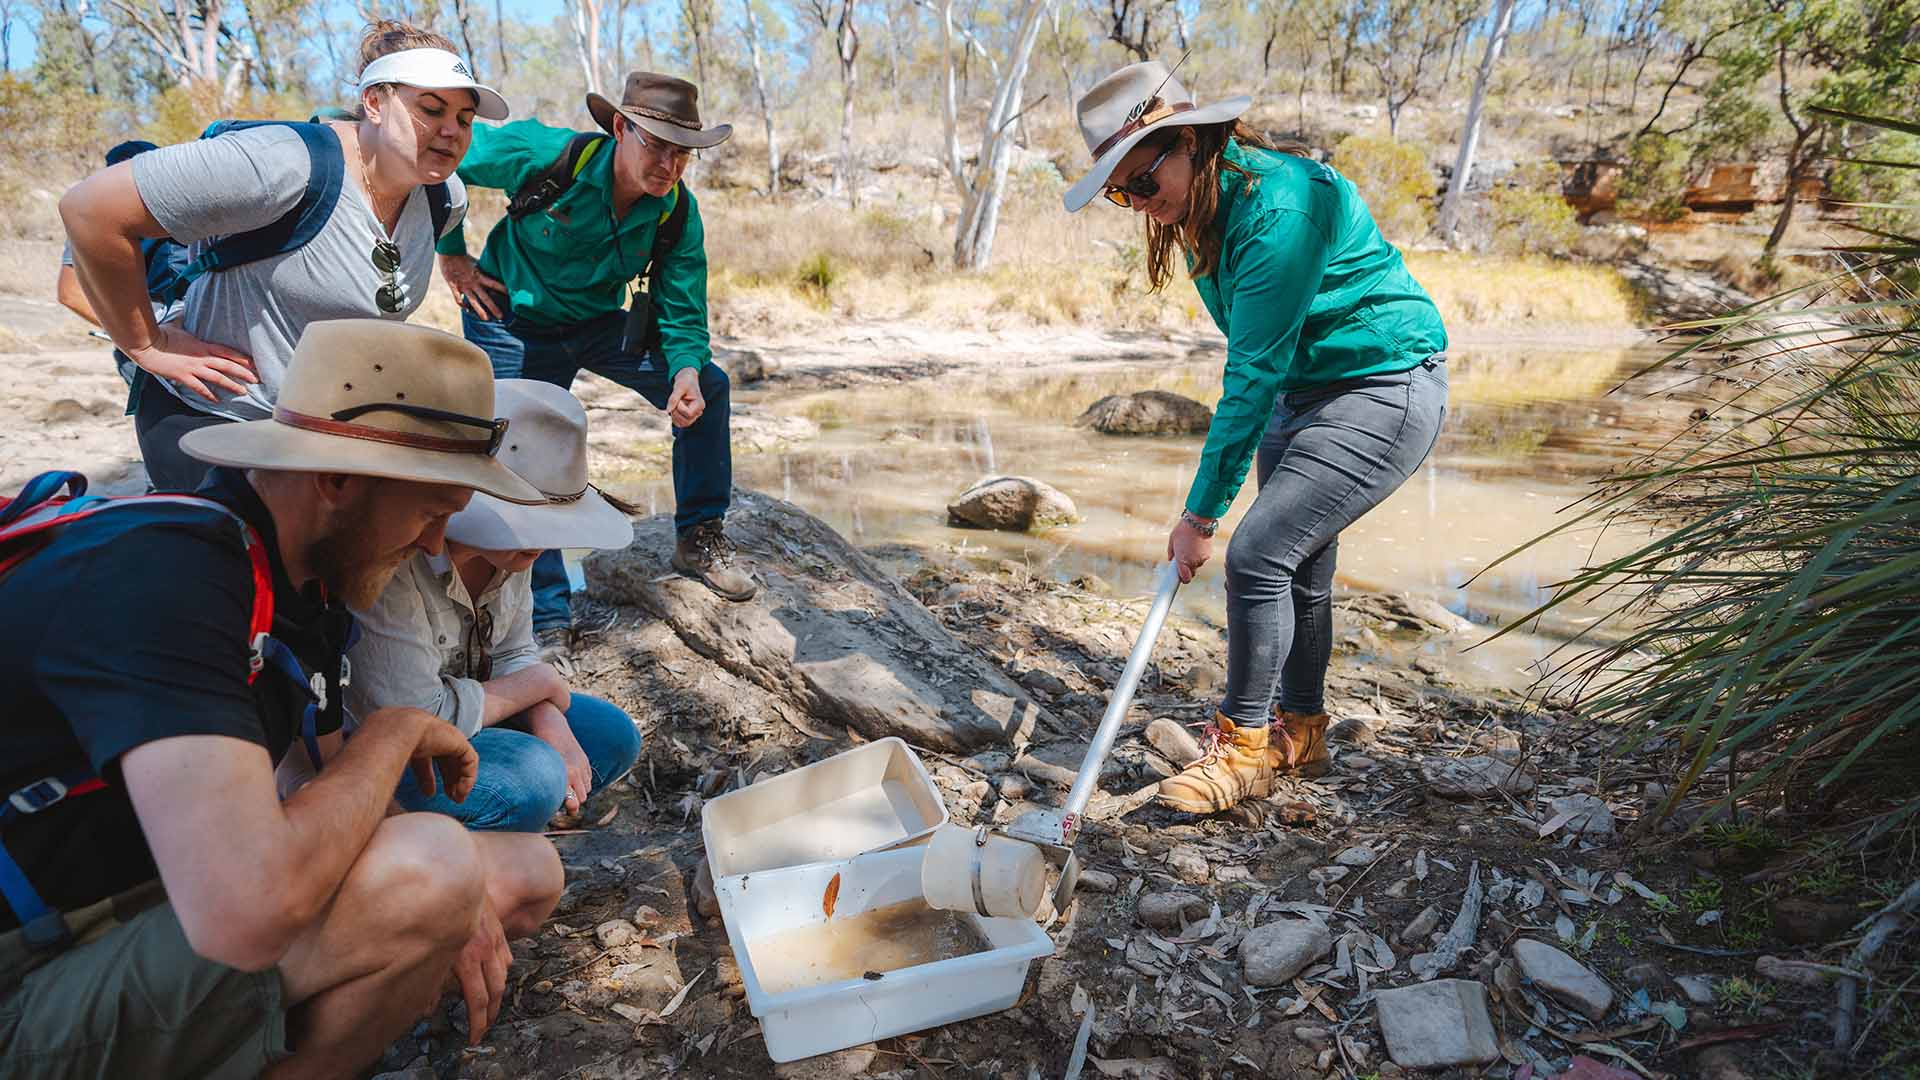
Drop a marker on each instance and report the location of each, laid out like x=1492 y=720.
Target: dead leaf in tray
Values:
x=831 y=897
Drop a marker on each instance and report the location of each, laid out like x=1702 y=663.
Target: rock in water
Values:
x=1149 y=412
x=1437 y=1024
x=830 y=632
x=1276 y=952
x=1011 y=504
x=1563 y=977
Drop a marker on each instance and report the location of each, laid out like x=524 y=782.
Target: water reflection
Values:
x=1526 y=431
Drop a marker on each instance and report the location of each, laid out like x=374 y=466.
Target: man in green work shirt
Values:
x=549 y=296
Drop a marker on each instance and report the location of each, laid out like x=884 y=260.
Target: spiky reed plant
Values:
x=1772 y=620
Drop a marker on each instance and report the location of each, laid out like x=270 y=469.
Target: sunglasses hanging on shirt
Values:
x=391 y=297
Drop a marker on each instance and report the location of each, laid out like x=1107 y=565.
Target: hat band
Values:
x=284 y=415
x=656 y=114
x=1146 y=119
x=563 y=500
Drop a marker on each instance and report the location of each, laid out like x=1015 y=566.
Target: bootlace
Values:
x=714 y=547
x=1213 y=741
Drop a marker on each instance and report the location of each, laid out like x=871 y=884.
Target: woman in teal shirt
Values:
x=1335 y=381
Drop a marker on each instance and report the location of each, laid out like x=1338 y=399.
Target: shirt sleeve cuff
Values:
x=454 y=243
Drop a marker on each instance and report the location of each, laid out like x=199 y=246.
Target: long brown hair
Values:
x=1195 y=235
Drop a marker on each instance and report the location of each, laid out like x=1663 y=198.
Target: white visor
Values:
x=433 y=69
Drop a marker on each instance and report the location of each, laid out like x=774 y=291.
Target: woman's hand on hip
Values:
x=472 y=289
x=177 y=355
x=1189 y=549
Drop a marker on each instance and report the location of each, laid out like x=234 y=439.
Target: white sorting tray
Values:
x=832 y=1016
x=868 y=798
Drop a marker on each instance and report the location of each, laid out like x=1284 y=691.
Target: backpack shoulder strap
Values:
x=439 y=207
x=326 y=173
x=671 y=227
x=545 y=187
x=27 y=522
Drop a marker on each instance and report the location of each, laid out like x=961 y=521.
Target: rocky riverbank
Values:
x=1457 y=894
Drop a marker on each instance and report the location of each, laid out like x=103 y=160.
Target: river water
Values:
x=1528 y=430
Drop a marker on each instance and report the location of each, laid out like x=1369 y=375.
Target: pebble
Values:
x=1313 y=1035
x=1422 y=925
x=1352 y=731
x=1438 y=1024
x=1189 y=865
x=1401 y=889
x=614 y=933
x=1591 y=816
x=1173 y=741
x=975 y=790
x=705 y=900
x=1811 y=922
x=1272 y=954
x=1098 y=881
x=1646 y=975
x=1500 y=742
x=1563 y=977
x=1327 y=875
x=1358 y=855
x=1014 y=787
x=1698 y=988
x=1042 y=681
x=1227 y=875
x=1163 y=910
x=1473 y=777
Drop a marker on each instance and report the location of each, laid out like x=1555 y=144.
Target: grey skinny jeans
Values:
x=1331 y=453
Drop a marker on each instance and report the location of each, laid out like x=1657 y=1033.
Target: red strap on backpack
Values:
x=28 y=521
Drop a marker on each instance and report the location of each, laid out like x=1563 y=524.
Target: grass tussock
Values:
x=1772 y=644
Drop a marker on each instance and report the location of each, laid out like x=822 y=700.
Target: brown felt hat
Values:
x=662 y=106
x=371 y=397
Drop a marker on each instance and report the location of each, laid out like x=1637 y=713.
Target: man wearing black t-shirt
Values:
x=204 y=928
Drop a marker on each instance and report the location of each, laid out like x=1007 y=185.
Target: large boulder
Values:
x=1012 y=504
x=1149 y=412
x=829 y=631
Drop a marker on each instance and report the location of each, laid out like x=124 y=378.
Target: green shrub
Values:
x=1654 y=183
x=1393 y=179
x=1530 y=217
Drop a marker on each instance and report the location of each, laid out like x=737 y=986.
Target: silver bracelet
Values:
x=1199 y=525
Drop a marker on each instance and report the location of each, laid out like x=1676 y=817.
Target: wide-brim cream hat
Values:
x=662 y=106
x=1129 y=105
x=547 y=445
x=371 y=397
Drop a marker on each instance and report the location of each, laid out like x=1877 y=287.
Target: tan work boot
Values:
x=1300 y=747
x=1237 y=766
x=705 y=554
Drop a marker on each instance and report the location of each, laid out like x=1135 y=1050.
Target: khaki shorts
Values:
x=133 y=999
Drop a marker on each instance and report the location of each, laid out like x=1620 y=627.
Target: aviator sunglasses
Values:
x=1143 y=186
x=392 y=296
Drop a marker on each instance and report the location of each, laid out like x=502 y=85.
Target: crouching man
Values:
x=166 y=914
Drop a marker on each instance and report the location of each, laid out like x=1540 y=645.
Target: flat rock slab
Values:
x=1564 y=977
x=1590 y=814
x=1438 y=1024
x=830 y=632
x=1276 y=952
x=1479 y=777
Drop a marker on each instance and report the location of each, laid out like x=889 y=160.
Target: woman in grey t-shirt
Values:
x=222 y=359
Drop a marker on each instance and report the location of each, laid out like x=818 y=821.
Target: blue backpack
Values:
x=294 y=228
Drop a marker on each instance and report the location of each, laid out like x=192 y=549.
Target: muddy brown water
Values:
x=1528 y=430
x=878 y=940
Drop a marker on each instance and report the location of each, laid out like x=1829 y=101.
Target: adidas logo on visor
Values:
x=460 y=69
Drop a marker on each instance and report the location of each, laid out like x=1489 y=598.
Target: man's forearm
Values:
x=331 y=819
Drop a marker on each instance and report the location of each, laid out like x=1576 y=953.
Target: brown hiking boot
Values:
x=1236 y=766
x=705 y=554
x=1301 y=746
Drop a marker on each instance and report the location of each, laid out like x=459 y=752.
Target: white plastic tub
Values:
x=829 y=1016
x=871 y=797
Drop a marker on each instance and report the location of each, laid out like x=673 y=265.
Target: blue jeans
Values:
x=523 y=781
x=702 y=451
x=1330 y=454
